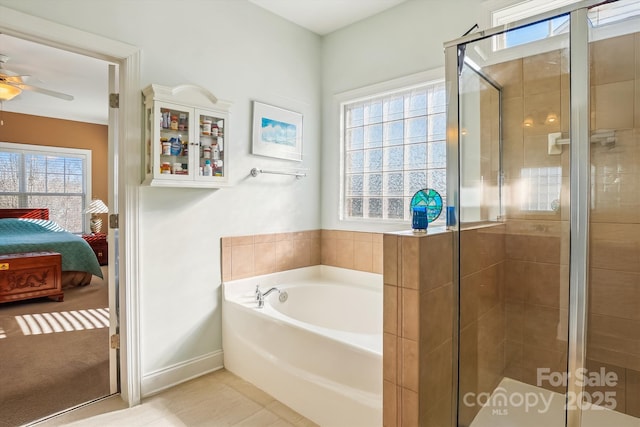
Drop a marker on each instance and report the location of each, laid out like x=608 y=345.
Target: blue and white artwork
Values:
x=277 y=132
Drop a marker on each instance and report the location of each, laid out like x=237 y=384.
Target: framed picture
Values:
x=276 y=132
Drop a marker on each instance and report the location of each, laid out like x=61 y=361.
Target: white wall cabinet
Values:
x=186 y=136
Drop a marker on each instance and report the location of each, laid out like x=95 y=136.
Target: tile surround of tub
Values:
x=353 y=250
x=247 y=256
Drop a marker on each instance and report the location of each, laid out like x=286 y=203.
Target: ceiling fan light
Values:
x=8 y=92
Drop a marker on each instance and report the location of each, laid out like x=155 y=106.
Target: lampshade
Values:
x=8 y=92
x=97 y=206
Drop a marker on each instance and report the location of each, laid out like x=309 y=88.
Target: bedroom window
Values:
x=34 y=176
x=393 y=146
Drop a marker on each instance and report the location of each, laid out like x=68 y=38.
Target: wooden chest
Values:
x=30 y=275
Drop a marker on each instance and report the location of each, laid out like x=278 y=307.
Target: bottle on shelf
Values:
x=165 y=168
x=206 y=127
x=218 y=165
x=165 y=120
x=208 y=170
x=166 y=147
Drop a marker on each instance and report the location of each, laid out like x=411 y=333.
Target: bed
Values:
x=30 y=230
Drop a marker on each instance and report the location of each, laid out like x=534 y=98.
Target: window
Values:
x=538 y=31
x=33 y=176
x=525 y=9
x=602 y=15
x=530 y=33
x=541 y=189
x=393 y=146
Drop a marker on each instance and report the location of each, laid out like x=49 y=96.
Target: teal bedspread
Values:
x=33 y=235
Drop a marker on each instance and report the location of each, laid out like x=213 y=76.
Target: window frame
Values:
x=507 y=12
x=406 y=83
x=525 y=9
x=84 y=154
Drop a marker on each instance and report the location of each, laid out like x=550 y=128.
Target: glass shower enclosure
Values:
x=544 y=176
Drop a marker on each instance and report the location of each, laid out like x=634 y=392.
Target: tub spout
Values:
x=260 y=295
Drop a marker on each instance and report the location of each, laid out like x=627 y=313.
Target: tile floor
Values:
x=217 y=399
x=531 y=411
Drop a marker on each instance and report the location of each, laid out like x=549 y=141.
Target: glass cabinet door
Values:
x=173 y=122
x=211 y=157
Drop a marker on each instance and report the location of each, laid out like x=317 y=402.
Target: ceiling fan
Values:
x=12 y=84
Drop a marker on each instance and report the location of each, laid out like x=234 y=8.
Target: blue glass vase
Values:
x=420 y=220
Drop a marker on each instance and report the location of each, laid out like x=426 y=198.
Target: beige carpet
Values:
x=53 y=355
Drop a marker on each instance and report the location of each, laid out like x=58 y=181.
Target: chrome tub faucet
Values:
x=260 y=296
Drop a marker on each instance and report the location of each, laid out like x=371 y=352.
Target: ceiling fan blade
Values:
x=45 y=91
x=14 y=79
x=4 y=73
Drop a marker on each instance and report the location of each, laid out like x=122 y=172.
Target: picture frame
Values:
x=277 y=132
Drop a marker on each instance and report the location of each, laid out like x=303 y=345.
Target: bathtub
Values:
x=320 y=351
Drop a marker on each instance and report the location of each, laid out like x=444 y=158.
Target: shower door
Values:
x=514 y=212
x=544 y=159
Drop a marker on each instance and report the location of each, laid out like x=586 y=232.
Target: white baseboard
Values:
x=162 y=379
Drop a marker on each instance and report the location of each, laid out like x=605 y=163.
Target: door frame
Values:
x=127 y=169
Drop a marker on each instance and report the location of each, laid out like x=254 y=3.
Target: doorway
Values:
x=123 y=178
x=53 y=132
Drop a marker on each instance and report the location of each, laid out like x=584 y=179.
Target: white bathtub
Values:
x=320 y=352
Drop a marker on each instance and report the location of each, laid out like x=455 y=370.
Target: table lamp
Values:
x=96 y=207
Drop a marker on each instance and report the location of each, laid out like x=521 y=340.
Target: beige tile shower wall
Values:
x=417 y=346
x=536 y=273
x=615 y=77
x=247 y=256
x=614 y=323
x=482 y=314
x=537 y=292
x=614 y=286
x=535 y=103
